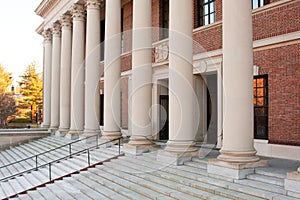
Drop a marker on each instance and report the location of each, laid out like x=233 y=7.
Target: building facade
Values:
x=186 y=72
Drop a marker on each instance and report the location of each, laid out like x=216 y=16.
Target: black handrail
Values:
x=62 y=158
x=51 y=150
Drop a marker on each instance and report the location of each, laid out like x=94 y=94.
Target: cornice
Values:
x=46 y=7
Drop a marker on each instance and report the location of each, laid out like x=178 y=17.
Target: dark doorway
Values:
x=101 y=109
x=164 y=117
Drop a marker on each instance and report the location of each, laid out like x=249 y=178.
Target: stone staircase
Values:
x=142 y=177
x=30 y=180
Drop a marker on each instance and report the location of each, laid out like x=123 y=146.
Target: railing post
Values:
x=119 y=146
x=50 y=171
x=89 y=162
x=36 y=163
x=70 y=150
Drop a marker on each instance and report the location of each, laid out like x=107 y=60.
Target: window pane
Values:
x=205 y=1
x=260 y=82
x=260 y=92
x=206 y=20
x=212 y=18
x=254 y=4
x=261 y=2
x=212 y=7
x=205 y=9
x=260 y=101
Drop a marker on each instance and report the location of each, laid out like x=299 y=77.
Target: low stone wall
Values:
x=13 y=137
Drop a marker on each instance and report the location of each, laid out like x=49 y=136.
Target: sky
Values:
x=20 y=45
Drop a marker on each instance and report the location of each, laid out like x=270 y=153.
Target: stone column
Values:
x=181 y=145
x=77 y=79
x=92 y=71
x=237 y=157
x=141 y=139
x=55 y=79
x=112 y=70
x=65 y=73
x=47 y=78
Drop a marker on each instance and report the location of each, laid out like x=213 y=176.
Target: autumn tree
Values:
x=8 y=106
x=32 y=89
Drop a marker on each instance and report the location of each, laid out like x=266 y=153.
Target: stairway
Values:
x=142 y=177
x=59 y=169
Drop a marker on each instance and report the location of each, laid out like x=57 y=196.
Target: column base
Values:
x=92 y=134
x=61 y=132
x=178 y=152
x=239 y=156
x=45 y=125
x=138 y=146
x=53 y=130
x=235 y=170
x=292 y=182
x=73 y=134
x=109 y=136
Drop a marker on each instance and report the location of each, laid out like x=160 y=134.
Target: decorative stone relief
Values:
x=47 y=34
x=66 y=21
x=78 y=12
x=162 y=52
x=56 y=29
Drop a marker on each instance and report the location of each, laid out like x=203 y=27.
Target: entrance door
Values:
x=164 y=117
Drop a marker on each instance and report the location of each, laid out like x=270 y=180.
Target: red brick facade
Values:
x=280 y=63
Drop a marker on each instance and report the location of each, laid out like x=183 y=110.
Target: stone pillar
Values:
x=181 y=145
x=77 y=76
x=55 y=79
x=92 y=71
x=141 y=139
x=112 y=70
x=47 y=78
x=65 y=73
x=237 y=157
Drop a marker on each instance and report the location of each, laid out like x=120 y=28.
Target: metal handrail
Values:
x=62 y=158
x=51 y=150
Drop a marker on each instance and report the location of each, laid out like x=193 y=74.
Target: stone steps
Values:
x=33 y=179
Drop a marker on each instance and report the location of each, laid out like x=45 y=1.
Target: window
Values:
x=259 y=3
x=206 y=12
x=260 y=89
x=164 y=13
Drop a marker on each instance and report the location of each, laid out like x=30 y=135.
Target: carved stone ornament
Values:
x=78 y=12
x=66 y=20
x=56 y=29
x=161 y=52
x=94 y=4
x=47 y=34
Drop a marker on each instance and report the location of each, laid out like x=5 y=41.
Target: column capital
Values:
x=56 y=29
x=66 y=21
x=47 y=34
x=94 y=4
x=78 y=12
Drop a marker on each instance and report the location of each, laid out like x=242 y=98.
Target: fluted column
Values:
x=112 y=69
x=77 y=79
x=180 y=146
x=47 y=78
x=238 y=83
x=141 y=139
x=55 y=79
x=65 y=74
x=92 y=72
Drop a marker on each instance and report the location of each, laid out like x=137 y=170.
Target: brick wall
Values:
x=282 y=65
